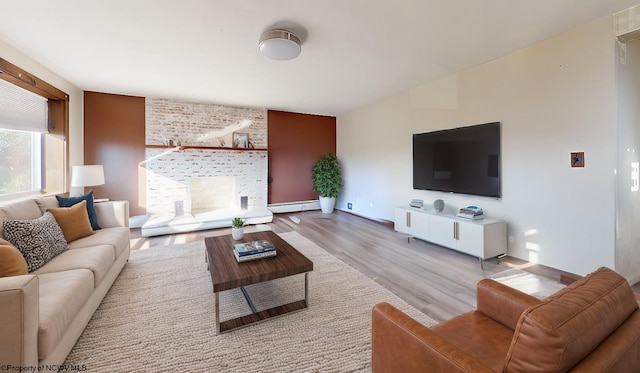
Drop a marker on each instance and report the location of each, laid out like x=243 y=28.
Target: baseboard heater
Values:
x=280 y=208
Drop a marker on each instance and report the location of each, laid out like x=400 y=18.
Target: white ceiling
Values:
x=354 y=52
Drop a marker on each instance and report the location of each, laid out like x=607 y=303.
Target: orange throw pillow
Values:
x=12 y=262
x=74 y=221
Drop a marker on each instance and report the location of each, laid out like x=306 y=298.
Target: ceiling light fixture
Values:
x=280 y=45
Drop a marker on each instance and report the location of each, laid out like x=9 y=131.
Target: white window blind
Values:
x=21 y=110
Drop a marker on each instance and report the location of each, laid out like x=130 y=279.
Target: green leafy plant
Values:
x=237 y=223
x=327 y=176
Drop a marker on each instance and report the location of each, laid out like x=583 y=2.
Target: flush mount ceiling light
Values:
x=280 y=45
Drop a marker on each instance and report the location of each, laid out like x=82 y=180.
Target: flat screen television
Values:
x=461 y=160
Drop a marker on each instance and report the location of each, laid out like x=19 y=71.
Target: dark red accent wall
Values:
x=296 y=141
x=114 y=136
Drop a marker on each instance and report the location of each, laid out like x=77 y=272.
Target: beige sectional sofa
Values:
x=43 y=313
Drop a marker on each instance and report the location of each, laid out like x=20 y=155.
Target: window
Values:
x=34 y=121
x=20 y=162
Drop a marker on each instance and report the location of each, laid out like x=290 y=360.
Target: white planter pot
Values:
x=237 y=233
x=327 y=204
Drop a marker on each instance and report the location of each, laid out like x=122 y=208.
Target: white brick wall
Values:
x=169 y=171
x=193 y=123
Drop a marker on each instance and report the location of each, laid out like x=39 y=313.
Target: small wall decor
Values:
x=577 y=159
x=240 y=140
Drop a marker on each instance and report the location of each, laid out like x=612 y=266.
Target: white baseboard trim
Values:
x=281 y=208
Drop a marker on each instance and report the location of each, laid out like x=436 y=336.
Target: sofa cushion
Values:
x=18 y=210
x=12 y=262
x=74 y=221
x=62 y=295
x=39 y=240
x=70 y=201
x=97 y=259
x=46 y=202
x=118 y=237
x=561 y=331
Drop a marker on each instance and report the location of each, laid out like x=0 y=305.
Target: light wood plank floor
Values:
x=439 y=281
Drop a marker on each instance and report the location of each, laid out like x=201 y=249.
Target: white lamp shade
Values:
x=280 y=45
x=86 y=176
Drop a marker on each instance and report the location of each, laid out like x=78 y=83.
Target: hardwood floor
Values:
x=439 y=281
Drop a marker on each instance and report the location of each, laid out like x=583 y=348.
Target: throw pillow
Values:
x=91 y=210
x=74 y=221
x=39 y=240
x=12 y=262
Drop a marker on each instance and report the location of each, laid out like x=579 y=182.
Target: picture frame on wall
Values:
x=240 y=140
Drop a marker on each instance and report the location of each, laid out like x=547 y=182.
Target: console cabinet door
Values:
x=401 y=220
x=419 y=226
x=470 y=238
x=442 y=231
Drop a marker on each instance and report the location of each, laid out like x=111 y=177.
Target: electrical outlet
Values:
x=350 y=206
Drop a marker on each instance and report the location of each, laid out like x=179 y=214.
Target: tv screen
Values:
x=460 y=160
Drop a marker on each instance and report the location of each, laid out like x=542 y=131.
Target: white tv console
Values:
x=484 y=238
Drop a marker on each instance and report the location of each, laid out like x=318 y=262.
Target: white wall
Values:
x=552 y=98
x=627 y=197
x=76 y=98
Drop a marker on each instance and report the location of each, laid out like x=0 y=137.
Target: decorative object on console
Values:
x=87 y=176
x=237 y=228
x=327 y=180
x=280 y=45
x=438 y=205
x=417 y=203
x=471 y=212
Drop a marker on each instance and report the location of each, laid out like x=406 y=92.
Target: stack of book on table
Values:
x=471 y=212
x=253 y=250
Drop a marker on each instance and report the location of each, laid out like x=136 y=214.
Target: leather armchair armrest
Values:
x=401 y=344
x=502 y=303
x=19 y=321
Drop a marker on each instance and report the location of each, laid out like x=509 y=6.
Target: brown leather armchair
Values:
x=592 y=325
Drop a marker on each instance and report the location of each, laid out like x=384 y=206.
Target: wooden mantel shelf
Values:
x=184 y=147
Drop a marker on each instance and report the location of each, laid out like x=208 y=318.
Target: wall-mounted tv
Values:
x=461 y=160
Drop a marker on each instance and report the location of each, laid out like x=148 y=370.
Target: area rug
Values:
x=159 y=316
x=532 y=284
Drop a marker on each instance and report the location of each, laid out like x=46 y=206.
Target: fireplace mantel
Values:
x=186 y=147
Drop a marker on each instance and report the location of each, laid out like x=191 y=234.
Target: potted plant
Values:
x=237 y=228
x=327 y=180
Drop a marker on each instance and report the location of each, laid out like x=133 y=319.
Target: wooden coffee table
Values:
x=227 y=273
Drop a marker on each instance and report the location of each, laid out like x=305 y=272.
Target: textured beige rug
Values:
x=159 y=316
x=538 y=286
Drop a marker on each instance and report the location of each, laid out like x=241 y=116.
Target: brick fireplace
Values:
x=213 y=179
x=190 y=166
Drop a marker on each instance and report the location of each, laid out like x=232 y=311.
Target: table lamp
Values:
x=87 y=176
